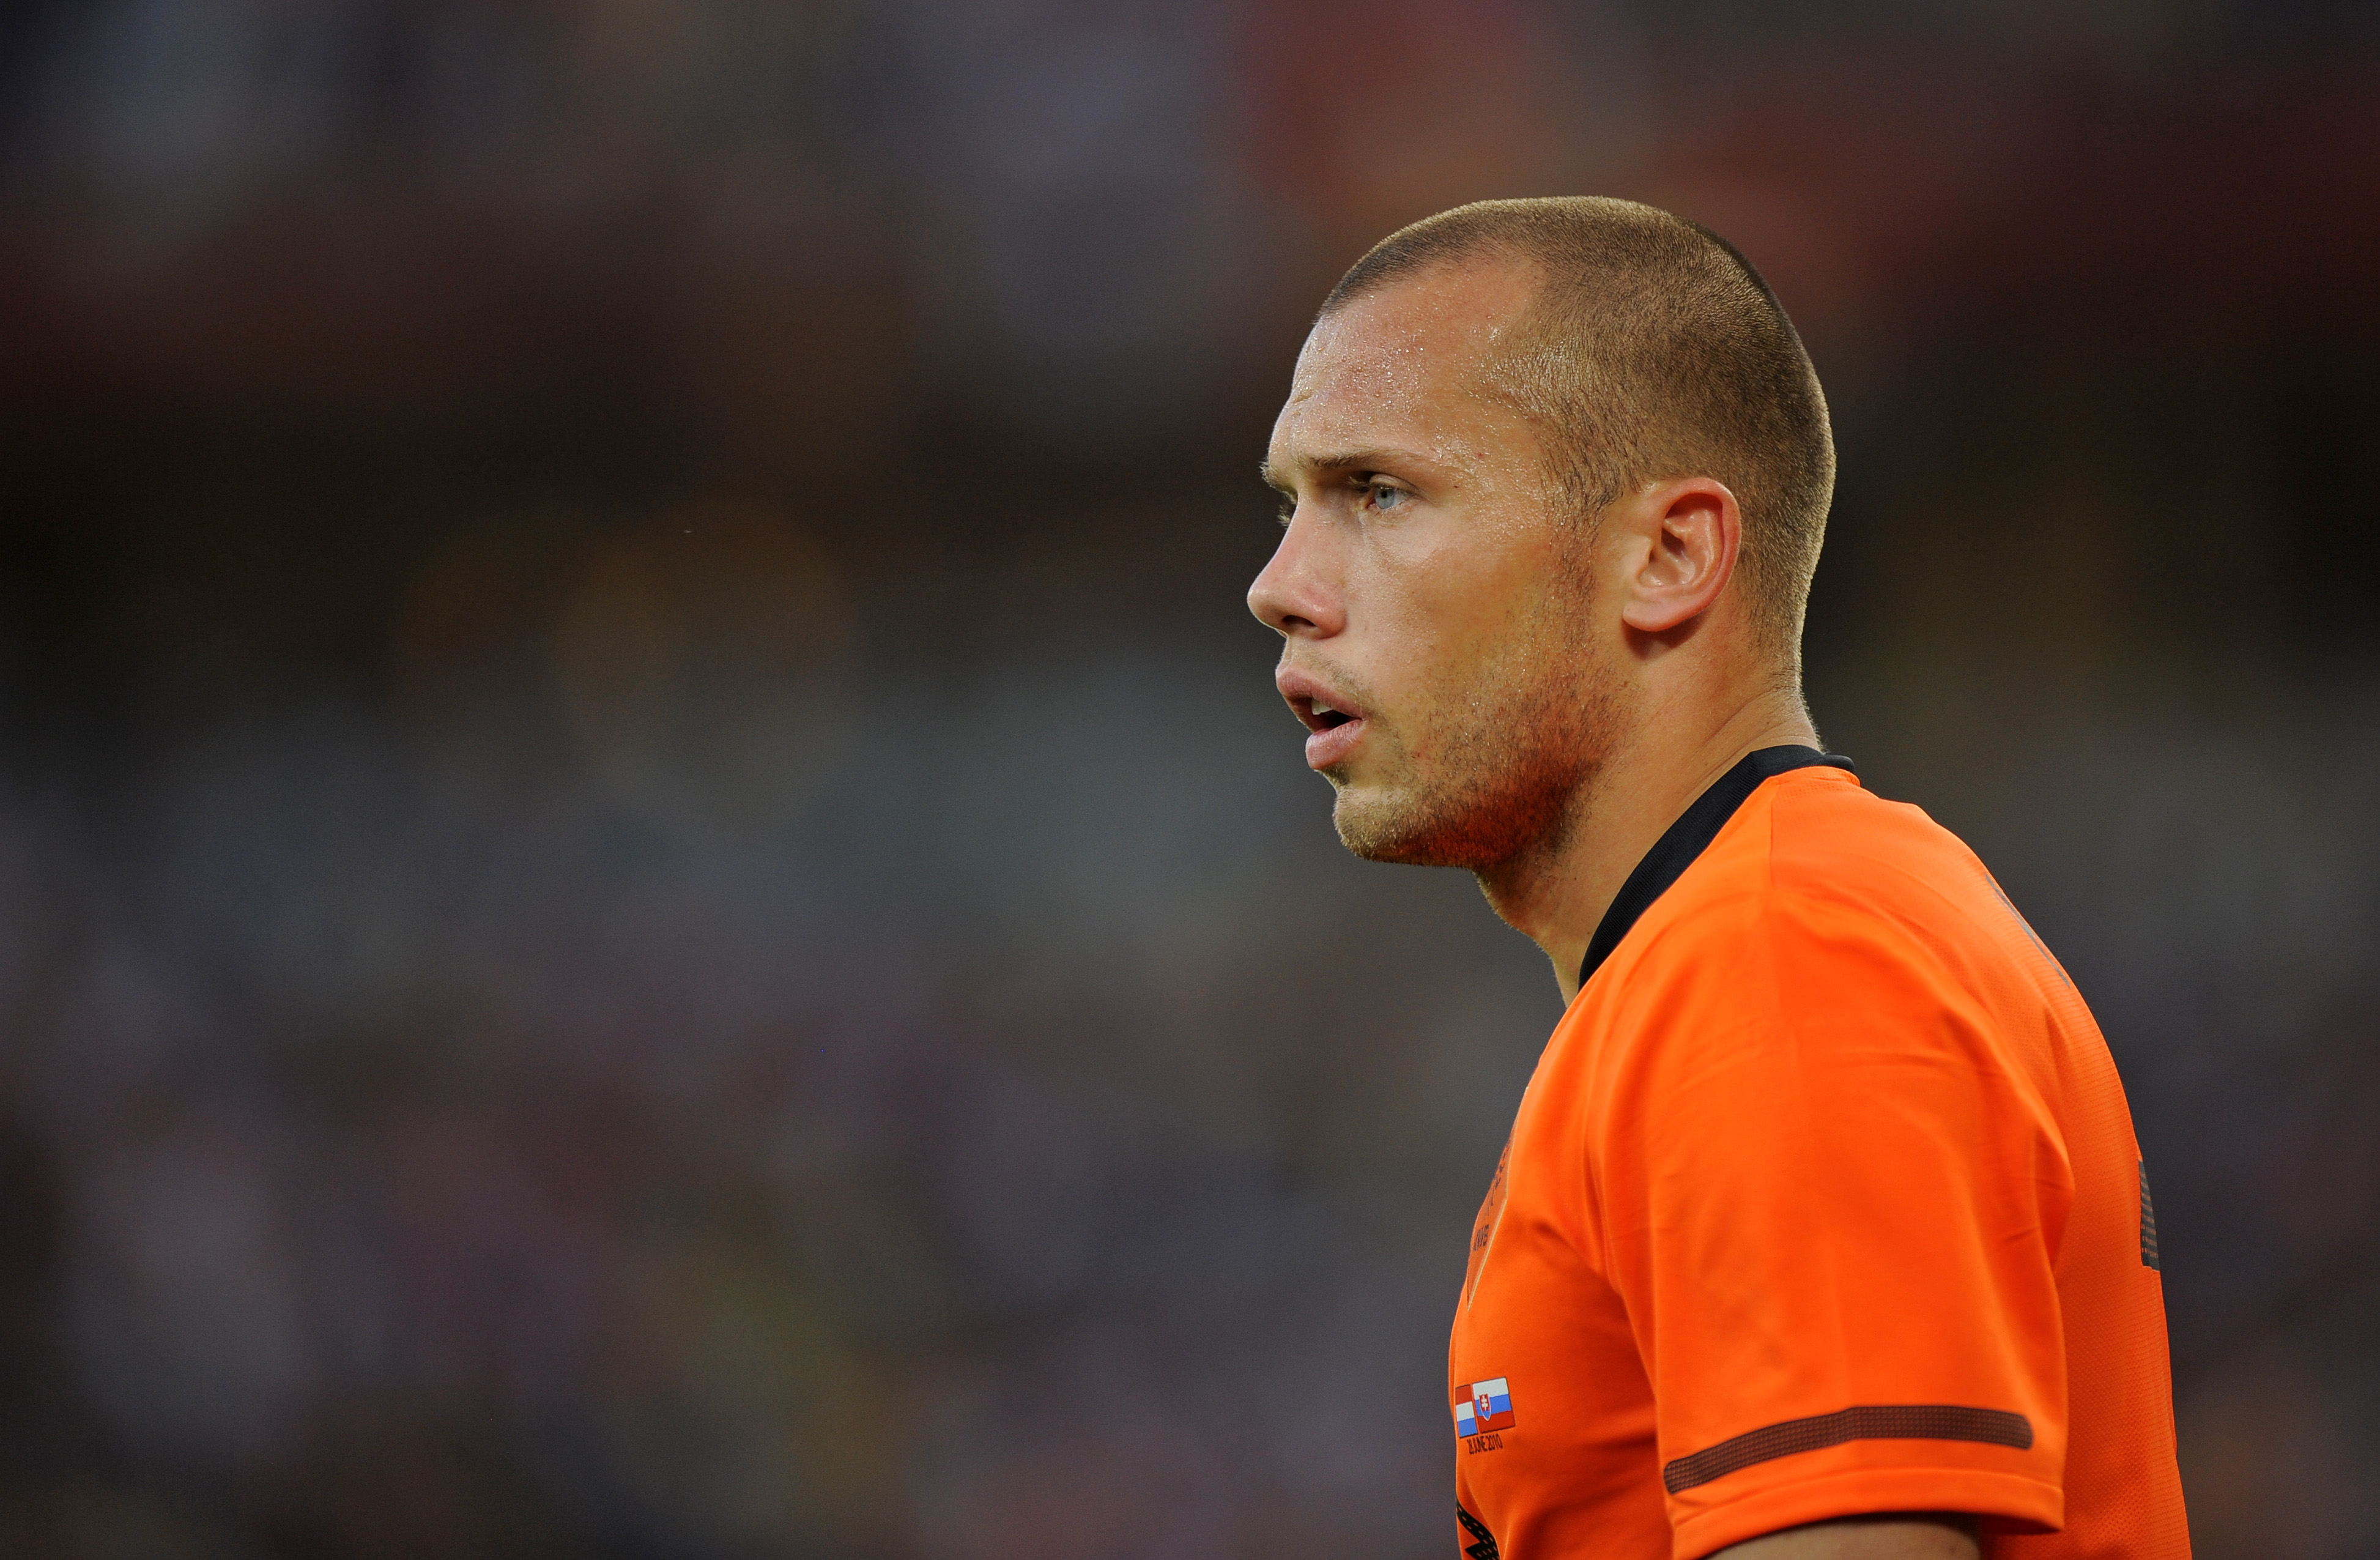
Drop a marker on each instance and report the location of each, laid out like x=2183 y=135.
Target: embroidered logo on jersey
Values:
x=1486 y=1405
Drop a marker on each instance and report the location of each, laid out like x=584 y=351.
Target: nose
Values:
x=1291 y=596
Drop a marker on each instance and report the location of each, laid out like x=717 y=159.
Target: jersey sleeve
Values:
x=1832 y=1208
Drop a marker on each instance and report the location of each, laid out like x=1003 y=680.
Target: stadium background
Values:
x=653 y=902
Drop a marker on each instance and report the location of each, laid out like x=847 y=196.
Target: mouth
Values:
x=1320 y=715
x=1333 y=730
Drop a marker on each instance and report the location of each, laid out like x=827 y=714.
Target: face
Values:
x=1433 y=598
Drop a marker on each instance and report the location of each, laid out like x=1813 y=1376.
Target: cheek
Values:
x=1415 y=618
x=1435 y=633
x=1454 y=601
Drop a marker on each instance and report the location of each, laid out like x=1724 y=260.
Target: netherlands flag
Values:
x=1485 y=1406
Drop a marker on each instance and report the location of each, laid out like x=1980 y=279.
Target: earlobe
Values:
x=1685 y=538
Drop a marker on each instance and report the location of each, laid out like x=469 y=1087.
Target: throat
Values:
x=1555 y=891
x=1527 y=889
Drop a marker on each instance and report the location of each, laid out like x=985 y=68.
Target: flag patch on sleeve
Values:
x=1484 y=1405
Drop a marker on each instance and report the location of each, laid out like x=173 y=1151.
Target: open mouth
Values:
x=1320 y=716
x=1332 y=733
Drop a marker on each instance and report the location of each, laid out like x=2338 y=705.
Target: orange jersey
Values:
x=1824 y=1201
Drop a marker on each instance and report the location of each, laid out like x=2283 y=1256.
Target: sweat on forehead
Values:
x=1476 y=295
x=1447 y=331
x=1404 y=374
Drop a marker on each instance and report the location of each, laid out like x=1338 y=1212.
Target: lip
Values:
x=1330 y=742
x=1327 y=748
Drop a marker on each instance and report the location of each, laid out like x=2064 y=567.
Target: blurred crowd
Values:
x=653 y=899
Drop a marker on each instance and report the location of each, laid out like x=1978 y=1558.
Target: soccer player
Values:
x=1822 y=1230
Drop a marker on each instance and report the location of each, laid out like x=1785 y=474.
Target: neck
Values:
x=1555 y=893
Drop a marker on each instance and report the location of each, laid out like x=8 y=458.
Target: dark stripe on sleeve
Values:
x=1486 y=1548
x=1894 y=1422
x=2148 y=1223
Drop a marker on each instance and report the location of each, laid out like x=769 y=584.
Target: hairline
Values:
x=1530 y=337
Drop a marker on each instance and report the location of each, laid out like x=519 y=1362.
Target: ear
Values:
x=1680 y=539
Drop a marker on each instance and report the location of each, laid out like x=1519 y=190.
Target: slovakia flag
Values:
x=1485 y=1406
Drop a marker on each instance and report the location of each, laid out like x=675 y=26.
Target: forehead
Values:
x=1411 y=364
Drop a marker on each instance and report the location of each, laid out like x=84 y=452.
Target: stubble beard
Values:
x=1510 y=756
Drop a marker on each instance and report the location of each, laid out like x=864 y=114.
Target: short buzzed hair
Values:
x=1652 y=350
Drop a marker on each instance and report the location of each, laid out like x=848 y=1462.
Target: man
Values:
x=1822 y=1230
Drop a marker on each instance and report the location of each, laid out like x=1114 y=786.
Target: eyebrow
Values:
x=1375 y=459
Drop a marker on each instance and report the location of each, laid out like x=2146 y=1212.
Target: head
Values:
x=1547 y=463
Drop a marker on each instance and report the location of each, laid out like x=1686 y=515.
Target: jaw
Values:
x=1368 y=826
x=1487 y=830
x=1375 y=818
x=1507 y=800
x=1487 y=767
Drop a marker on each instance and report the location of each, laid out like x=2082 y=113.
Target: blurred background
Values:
x=653 y=899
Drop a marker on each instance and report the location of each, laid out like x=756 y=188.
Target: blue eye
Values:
x=1387 y=497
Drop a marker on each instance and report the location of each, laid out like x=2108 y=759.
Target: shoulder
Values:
x=1817 y=865
x=1823 y=910
x=1828 y=837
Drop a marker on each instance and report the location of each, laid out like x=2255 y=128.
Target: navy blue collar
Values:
x=1688 y=838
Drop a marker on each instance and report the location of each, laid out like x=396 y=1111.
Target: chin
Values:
x=1476 y=829
x=1396 y=829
